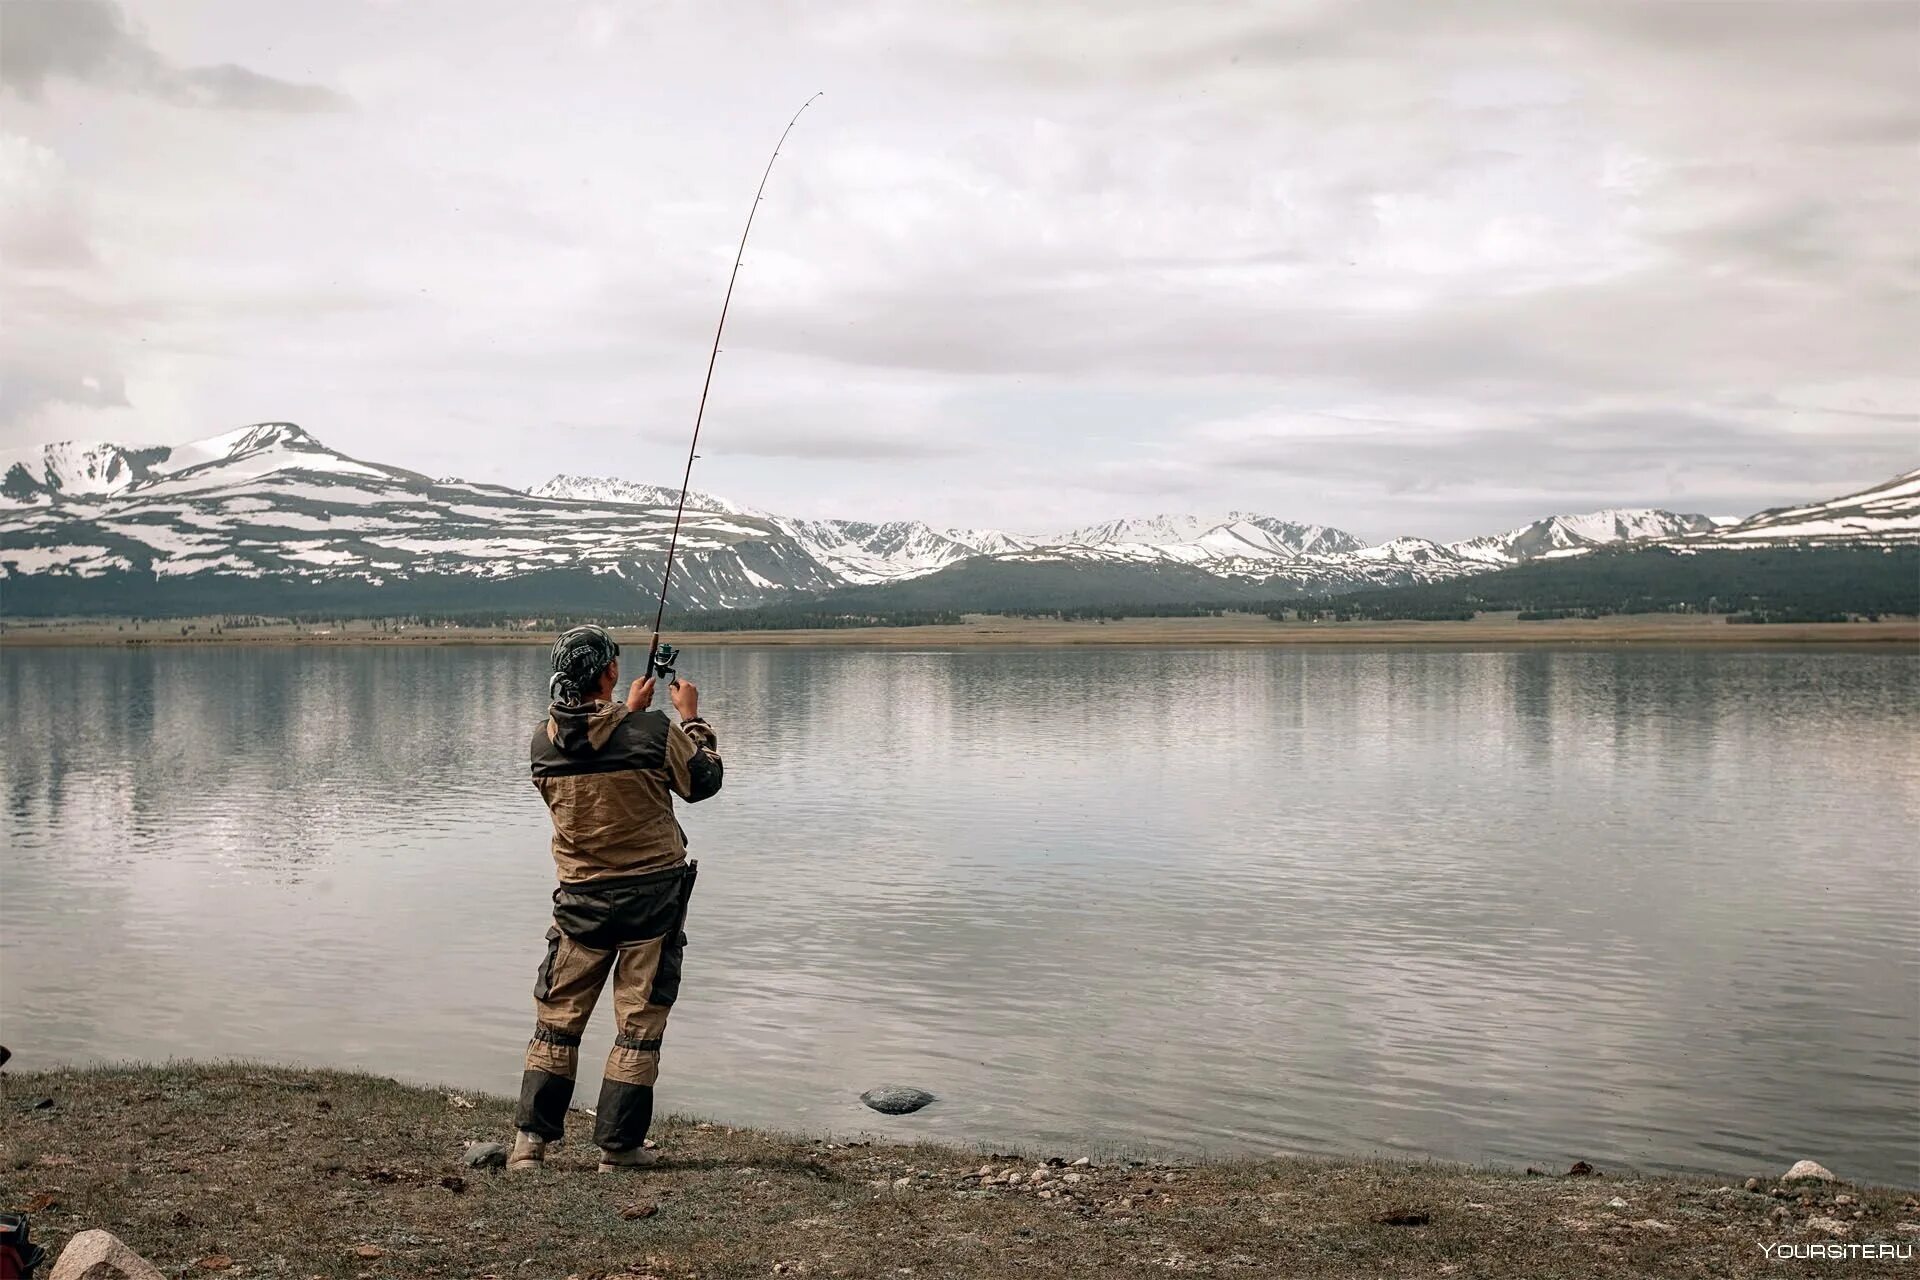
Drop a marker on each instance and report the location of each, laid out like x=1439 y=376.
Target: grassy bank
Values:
x=989 y=629
x=244 y=1170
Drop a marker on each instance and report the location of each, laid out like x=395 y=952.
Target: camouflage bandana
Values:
x=579 y=656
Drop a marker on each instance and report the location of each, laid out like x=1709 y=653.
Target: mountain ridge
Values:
x=90 y=522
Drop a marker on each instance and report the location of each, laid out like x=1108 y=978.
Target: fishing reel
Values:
x=664 y=659
x=662 y=670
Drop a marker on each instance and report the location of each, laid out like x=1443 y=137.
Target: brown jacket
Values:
x=609 y=776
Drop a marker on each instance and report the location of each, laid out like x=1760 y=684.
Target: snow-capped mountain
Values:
x=99 y=470
x=864 y=553
x=609 y=489
x=1191 y=538
x=268 y=518
x=1562 y=534
x=1316 y=558
x=270 y=501
x=859 y=551
x=1885 y=514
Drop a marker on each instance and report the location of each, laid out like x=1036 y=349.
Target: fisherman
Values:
x=609 y=771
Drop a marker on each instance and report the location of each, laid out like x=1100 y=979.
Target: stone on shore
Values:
x=1808 y=1171
x=485 y=1155
x=100 y=1255
x=896 y=1099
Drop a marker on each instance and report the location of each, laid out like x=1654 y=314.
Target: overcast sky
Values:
x=1402 y=266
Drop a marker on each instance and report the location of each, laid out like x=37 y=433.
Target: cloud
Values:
x=1385 y=264
x=41 y=224
x=91 y=41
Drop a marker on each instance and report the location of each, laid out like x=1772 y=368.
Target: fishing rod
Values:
x=662 y=657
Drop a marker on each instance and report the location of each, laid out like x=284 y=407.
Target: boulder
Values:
x=1808 y=1171
x=896 y=1099
x=100 y=1255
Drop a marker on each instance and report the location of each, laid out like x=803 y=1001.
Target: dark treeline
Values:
x=1784 y=584
x=1115 y=612
x=807 y=617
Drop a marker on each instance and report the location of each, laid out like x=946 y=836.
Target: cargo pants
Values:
x=631 y=930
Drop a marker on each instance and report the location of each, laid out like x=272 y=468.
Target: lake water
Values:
x=1650 y=908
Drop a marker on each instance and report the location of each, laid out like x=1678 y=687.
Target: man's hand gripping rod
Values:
x=662 y=657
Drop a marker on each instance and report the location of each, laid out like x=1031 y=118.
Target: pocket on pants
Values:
x=666 y=979
x=543 y=979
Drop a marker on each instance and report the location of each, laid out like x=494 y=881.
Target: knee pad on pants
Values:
x=553 y=1051
x=634 y=1061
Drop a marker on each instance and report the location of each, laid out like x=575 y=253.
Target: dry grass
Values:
x=259 y=1171
x=986 y=630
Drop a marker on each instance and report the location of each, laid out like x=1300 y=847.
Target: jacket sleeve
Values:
x=693 y=760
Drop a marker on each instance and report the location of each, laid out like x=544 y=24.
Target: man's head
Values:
x=586 y=665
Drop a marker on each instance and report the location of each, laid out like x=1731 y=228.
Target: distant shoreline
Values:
x=982 y=631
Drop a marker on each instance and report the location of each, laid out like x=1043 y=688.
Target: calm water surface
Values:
x=1656 y=908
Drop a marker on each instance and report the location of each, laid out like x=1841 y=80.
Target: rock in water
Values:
x=896 y=1099
x=100 y=1255
x=485 y=1155
x=1808 y=1171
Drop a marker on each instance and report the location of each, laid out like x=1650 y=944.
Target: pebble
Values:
x=1832 y=1226
x=1070 y=1177
x=1808 y=1171
x=1845 y=1200
x=1081 y=1163
x=896 y=1099
x=1616 y=1203
x=1015 y=1179
x=485 y=1155
x=1753 y=1184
